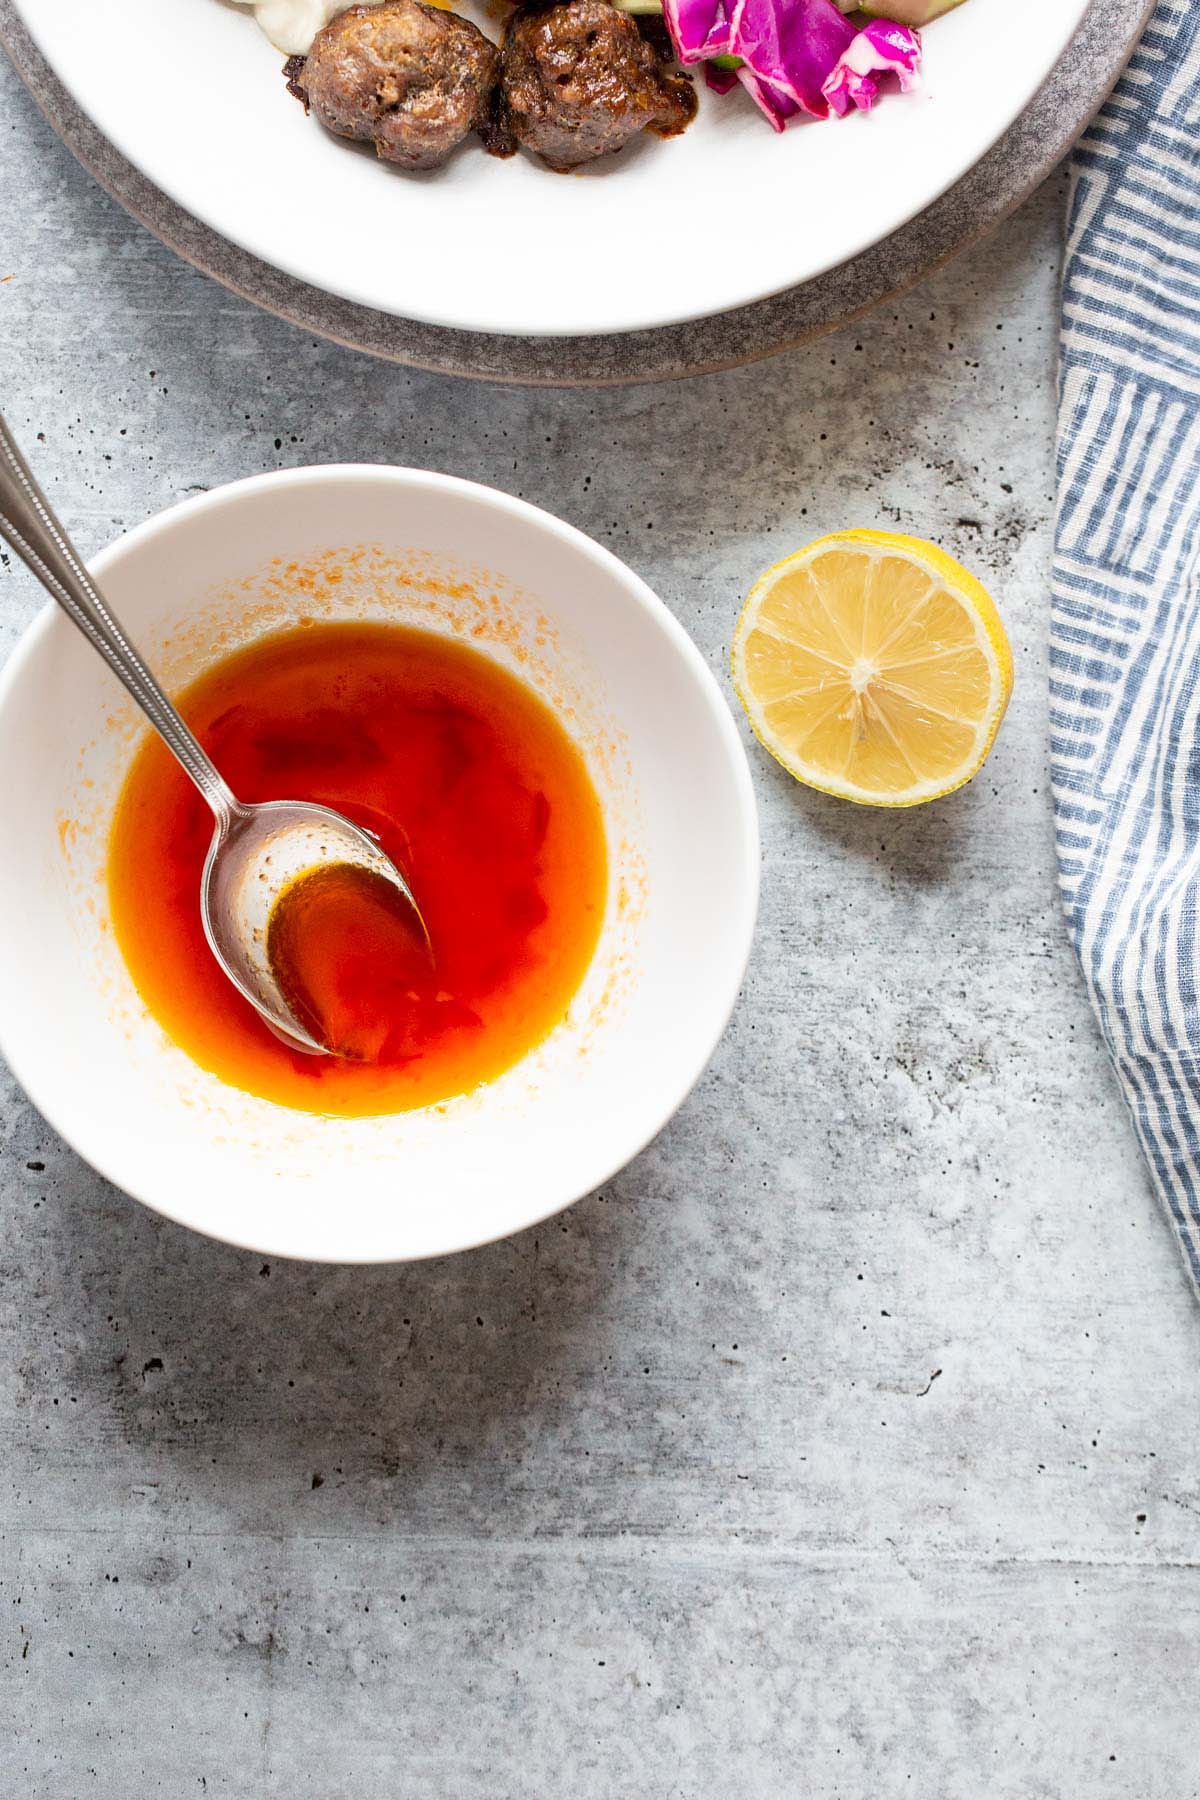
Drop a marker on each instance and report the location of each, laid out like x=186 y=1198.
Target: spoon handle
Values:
x=29 y=524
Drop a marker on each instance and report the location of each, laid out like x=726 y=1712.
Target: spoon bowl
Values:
x=256 y=853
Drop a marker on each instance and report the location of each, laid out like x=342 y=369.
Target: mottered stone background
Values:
x=846 y=1444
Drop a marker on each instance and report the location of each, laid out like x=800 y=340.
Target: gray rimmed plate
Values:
x=534 y=341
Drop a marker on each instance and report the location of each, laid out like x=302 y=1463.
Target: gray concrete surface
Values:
x=845 y=1445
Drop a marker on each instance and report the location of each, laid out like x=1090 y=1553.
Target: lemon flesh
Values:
x=873 y=666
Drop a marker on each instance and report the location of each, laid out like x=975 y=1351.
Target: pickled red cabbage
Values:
x=881 y=48
x=796 y=56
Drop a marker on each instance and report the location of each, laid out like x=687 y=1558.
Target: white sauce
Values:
x=292 y=25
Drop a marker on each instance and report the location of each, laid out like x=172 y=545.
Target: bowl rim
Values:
x=740 y=934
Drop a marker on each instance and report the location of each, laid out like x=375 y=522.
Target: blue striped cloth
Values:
x=1125 y=634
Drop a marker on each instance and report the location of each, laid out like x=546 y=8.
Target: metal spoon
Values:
x=256 y=851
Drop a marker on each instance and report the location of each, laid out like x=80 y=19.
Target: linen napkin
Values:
x=1125 y=631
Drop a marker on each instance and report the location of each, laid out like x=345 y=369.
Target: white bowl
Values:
x=190 y=92
x=683 y=840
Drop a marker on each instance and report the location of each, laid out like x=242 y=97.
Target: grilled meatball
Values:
x=578 y=80
x=410 y=79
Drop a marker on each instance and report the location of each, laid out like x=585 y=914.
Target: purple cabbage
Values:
x=721 y=81
x=698 y=28
x=880 y=49
x=797 y=56
x=788 y=48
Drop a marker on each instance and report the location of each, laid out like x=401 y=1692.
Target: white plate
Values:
x=191 y=93
x=683 y=877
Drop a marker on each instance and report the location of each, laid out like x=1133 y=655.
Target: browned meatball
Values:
x=410 y=79
x=578 y=80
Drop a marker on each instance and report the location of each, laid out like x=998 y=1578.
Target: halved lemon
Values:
x=873 y=666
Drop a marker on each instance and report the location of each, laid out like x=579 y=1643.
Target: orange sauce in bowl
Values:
x=473 y=788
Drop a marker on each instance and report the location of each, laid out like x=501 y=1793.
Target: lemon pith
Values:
x=873 y=666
